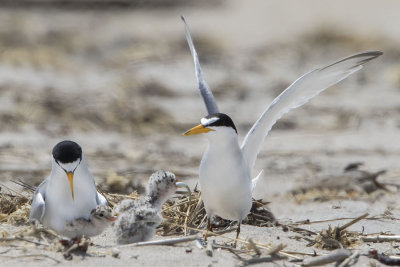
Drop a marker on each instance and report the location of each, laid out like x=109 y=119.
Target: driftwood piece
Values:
x=335 y=256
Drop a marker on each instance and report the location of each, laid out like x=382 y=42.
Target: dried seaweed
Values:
x=339 y=237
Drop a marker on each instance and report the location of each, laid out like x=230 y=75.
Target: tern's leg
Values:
x=209 y=228
x=237 y=234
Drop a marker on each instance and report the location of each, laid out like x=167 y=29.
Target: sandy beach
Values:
x=119 y=80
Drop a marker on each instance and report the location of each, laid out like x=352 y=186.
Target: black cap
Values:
x=67 y=152
x=223 y=120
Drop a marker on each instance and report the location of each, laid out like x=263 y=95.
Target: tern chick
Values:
x=100 y=218
x=138 y=219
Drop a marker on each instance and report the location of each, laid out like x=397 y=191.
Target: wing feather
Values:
x=299 y=93
x=38 y=206
x=204 y=89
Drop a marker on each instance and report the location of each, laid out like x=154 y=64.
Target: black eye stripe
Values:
x=223 y=120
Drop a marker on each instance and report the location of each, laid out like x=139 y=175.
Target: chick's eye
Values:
x=101 y=215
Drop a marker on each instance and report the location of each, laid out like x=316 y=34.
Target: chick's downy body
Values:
x=138 y=219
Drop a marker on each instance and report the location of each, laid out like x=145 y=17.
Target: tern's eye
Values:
x=101 y=214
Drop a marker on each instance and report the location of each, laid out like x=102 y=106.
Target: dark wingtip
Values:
x=183 y=18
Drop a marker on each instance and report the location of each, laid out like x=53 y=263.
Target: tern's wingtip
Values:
x=183 y=18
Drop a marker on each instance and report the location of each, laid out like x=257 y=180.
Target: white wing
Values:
x=101 y=200
x=297 y=94
x=204 y=89
x=255 y=180
x=38 y=206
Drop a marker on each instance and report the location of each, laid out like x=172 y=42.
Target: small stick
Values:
x=164 y=242
x=254 y=247
x=350 y=260
x=31 y=255
x=260 y=260
x=210 y=248
x=21 y=239
x=381 y=238
x=217 y=233
x=341 y=228
x=336 y=255
x=276 y=249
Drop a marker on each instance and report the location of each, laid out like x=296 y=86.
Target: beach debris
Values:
x=210 y=248
x=14 y=207
x=381 y=238
x=117 y=183
x=336 y=256
x=385 y=259
x=115 y=252
x=351 y=183
x=351 y=260
x=79 y=247
x=254 y=247
x=164 y=242
x=274 y=253
x=339 y=237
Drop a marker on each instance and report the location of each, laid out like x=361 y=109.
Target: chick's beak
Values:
x=198 y=130
x=71 y=182
x=113 y=218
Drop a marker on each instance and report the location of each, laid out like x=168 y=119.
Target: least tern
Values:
x=138 y=219
x=68 y=193
x=225 y=174
x=100 y=218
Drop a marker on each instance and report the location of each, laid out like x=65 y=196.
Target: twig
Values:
x=332 y=220
x=31 y=255
x=276 y=249
x=221 y=232
x=350 y=260
x=210 y=248
x=254 y=247
x=385 y=259
x=165 y=242
x=337 y=255
x=341 y=228
x=381 y=238
x=260 y=260
x=14 y=238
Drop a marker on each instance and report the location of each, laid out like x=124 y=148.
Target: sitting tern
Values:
x=225 y=174
x=138 y=219
x=68 y=193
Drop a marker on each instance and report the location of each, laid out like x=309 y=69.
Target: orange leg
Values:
x=237 y=235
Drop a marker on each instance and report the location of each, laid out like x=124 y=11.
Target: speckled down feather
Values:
x=138 y=219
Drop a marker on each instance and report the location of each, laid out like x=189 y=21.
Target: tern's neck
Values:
x=224 y=142
x=156 y=199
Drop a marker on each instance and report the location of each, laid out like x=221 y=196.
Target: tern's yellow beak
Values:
x=71 y=182
x=198 y=130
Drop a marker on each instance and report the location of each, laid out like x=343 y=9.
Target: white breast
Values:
x=225 y=182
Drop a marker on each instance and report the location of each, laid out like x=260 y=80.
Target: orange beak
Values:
x=113 y=218
x=197 y=130
x=71 y=182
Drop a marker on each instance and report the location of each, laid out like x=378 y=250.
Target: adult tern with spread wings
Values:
x=225 y=174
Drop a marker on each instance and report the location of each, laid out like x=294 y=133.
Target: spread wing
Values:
x=39 y=202
x=297 y=94
x=204 y=89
